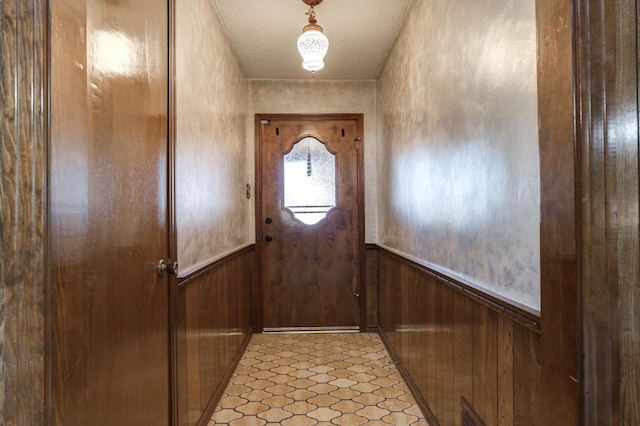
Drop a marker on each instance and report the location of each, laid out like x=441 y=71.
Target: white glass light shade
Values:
x=313 y=45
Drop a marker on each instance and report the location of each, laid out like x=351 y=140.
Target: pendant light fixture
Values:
x=312 y=43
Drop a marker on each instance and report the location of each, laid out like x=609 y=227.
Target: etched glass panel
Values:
x=309 y=181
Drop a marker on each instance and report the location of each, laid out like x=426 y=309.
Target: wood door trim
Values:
x=559 y=262
x=176 y=304
x=359 y=119
x=362 y=260
x=607 y=52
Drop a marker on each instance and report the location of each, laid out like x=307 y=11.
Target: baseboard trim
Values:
x=303 y=330
x=424 y=407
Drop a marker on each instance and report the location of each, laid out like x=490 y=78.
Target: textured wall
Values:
x=212 y=103
x=324 y=97
x=458 y=144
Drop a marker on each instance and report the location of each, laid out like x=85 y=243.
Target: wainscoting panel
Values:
x=214 y=327
x=371 y=293
x=527 y=385
x=453 y=346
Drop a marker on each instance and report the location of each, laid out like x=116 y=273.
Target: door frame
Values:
x=359 y=118
x=174 y=369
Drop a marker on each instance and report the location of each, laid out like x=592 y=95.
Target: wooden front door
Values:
x=310 y=221
x=109 y=221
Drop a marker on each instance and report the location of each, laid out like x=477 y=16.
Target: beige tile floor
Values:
x=316 y=379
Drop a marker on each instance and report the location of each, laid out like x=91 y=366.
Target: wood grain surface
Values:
x=213 y=329
x=609 y=216
x=371 y=256
x=451 y=346
x=545 y=364
x=558 y=237
x=311 y=274
x=22 y=210
x=109 y=213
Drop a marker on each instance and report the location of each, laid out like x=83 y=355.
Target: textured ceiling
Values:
x=264 y=33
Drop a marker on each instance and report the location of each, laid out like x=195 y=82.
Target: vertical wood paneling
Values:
x=407 y=328
x=450 y=407
x=485 y=364
x=599 y=292
x=608 y=89
x=629 y=249
x=505 y=371
x=181 y=400
x=438 y=362
x=398 y=296
x=192 y=413
x=453 y=346
x=419 y=314
x=463 y=349
x=389 y=273
x=22 y=215
x=214 y=331
x=527 y=407
x=371 y=258
x=430 y=343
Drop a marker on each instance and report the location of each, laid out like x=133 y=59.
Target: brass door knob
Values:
x=169 y=268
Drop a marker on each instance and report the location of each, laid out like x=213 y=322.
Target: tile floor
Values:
x=316 y=379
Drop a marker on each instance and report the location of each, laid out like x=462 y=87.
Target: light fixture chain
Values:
x=311 y=13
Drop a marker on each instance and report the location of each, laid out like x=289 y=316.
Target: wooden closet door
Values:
x=108 y=213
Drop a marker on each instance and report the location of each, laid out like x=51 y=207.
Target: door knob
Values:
x=169 y=268
x=268 y=221
x=268 y=238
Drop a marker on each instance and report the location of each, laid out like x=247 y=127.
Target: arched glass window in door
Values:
x=309 y=181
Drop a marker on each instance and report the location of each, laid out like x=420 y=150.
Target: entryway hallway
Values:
x=316 y=378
